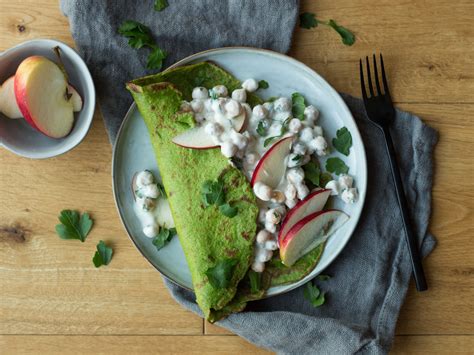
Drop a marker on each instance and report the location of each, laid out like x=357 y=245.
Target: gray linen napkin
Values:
x=371 y=276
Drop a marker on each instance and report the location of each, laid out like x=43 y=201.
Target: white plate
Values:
x=285 y=75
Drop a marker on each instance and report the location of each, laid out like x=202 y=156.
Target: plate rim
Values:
x=334 y=93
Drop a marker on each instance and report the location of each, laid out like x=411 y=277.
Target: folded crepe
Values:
x=207 y=236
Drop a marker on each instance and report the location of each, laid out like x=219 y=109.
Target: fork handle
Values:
x=410 y=236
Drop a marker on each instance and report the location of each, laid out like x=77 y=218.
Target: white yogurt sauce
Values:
x=216 y=111
x=152 y=209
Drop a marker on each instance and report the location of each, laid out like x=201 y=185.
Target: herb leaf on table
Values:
x=314 y=295
x=73 y=225
x=160 y=5
x=308 y=20
x=103 y=255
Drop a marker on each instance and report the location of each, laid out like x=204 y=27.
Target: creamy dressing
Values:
x=218 y=112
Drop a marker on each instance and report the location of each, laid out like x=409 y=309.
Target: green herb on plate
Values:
x=324 y=178
x=220 y=275
x=308 y=20
x=103 y=255
x=297 y=158
x=73 y=225
x=298 y=105
x=164 y=237
x=228 y=210
x=212 y=192
x=160 y=5
x=336 y=166
x=343 y=141
x=255 y=281
x=261 y=130
x=262 y=84
x=312 y=173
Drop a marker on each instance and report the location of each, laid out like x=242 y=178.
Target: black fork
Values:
x=381 y=112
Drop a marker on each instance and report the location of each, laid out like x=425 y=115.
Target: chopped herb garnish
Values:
x=262 y=84
x=73 y=225
x=261 y=130
x=308 y=20
x=220 y=275
x=213 y=94
x=164 y=237
x=103 y=255
x=343 y=141
x=336 y=166
x=255 y=281
x=227 y=210
x=312 y=173
x=272 y=98
x=284 y=129
x=314 y=295
x=269 y=140
x=324 y=178
x=212 y=192
x=297 y=158
x=140 y=36
x=298 y=105
x=160 y=5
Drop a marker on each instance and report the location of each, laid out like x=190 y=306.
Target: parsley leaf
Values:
x=343 y=141
x=261 y=130
x=212 y=192
x=312 y=172
x=308 y=20
x=269 y=140
x=160 y=5
x=255 y=281
x=164 y=237
x=298 y=105
x=262 y=84
x=323 y=277
x=347 y=36
x=337 y=166
x=228 y=211
x=314 y=295
x=220 y=275
x=155 y=58
x=103 y=255
x=324 y=178
x=74 y=226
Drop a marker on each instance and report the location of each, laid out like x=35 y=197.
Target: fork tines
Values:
x=386 y=92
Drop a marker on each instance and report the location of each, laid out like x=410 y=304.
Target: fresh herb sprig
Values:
x=283 y=130
x=343 y=141
x=313 y=294
x=308 y=20
x=103 y=255
x=220 y=275
x=212 y=193
x=164 y=237
x=73 y=225
x=298 y=105
x=336 y=166
x=160 y=5
x=139 y=36
x=262 y=84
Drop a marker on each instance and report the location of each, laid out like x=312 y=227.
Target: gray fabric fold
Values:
x=370 y=277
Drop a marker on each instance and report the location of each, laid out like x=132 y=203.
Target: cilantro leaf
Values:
x=160 y=5
x=312 y=172
x=164 y=237
x=347 y=36
x=308 y=20
x=298 y=105
x=343 y=141
x=336 y=166
x=324 y=178
x=262 y=84
x=212 y=192
x=269 y=140
x=314 y=295
x=323 y=277
x=255 y=281
x=155 y=58
x=228 y=211
x=103 y=255
x=297 y=158
x=261 y=130
x=220 y=275
x=74 y=226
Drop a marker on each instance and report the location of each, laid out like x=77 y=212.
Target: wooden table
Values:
x=53 y=300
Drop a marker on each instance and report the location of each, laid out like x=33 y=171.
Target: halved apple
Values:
x=197 y=138
x=308 y=233
x=40 y=91
x=8 y=103
x=271 y=167
x=314 y=202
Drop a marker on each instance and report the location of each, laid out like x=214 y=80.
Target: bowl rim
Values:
x=338 y=98
x=83 y=71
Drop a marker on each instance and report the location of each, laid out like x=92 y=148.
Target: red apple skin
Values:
x=300 y=204
x=21 y=78
x=264 y=157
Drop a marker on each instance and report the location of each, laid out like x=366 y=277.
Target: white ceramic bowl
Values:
x=17 y=135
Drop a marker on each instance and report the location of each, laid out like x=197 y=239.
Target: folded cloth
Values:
x=370 y=277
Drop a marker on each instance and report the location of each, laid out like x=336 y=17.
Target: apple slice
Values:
x=271 y=167
x=314 y=202
x=8 y=103
x=76 y=98
x=197 y=138
x=40 y=91
x=308 y=233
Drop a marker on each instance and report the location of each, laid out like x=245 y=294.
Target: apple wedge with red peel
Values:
x=314 y=202
x=8 y=103
x=40 y=91
x=271 y=167
x=308 y=233
x=197 y=138
x=76 y=98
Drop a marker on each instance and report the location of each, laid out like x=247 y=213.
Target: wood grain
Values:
x=53 y=300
